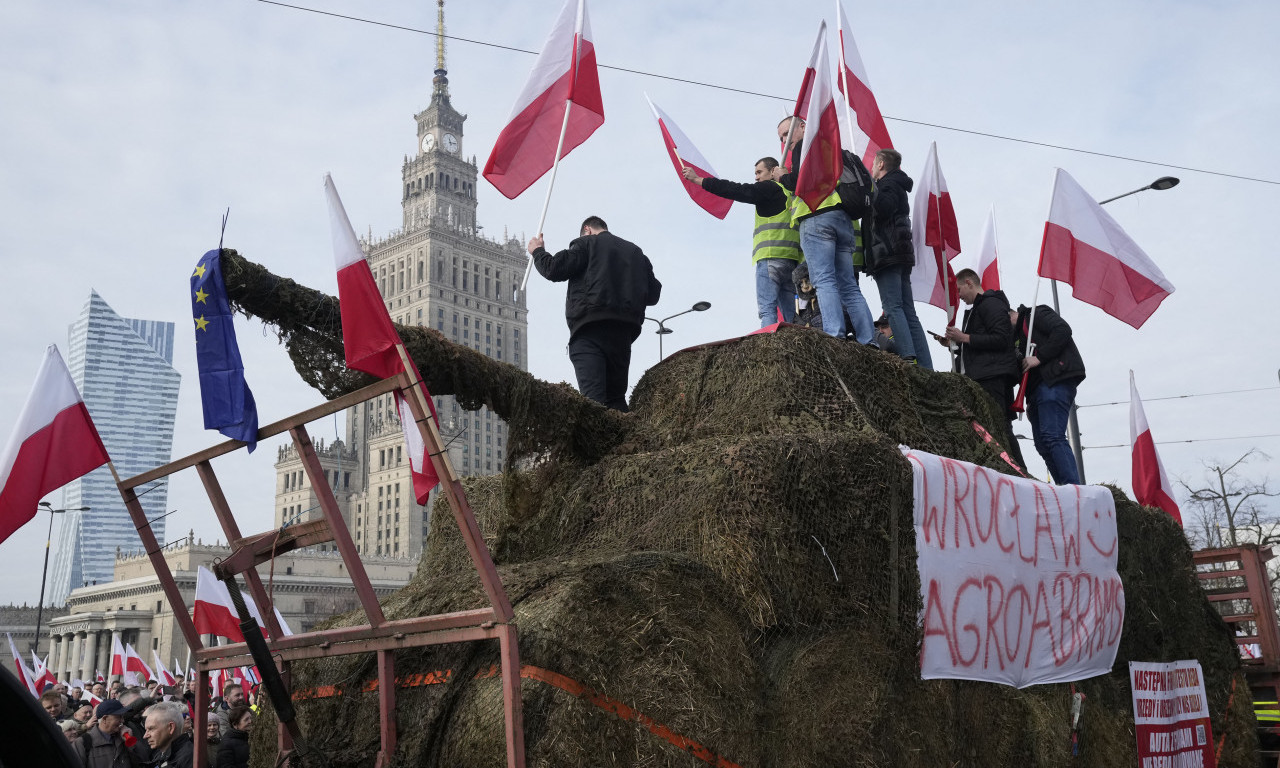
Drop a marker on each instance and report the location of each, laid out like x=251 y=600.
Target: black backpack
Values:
x=854 y=186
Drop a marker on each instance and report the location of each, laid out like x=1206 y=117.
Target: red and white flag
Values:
x=1151 y=486
x=684 y=154
x=215 y=614
x=870 y=132
x=117 y=657
x=25 y=675
x=369 y=339
x=92 y=700
x=133 y=664
x=1085 y=247
x=821 y=161
x=988 y=268
x=562 y=94
x=42 y=675
x=810 y=74
x=98 y=677
x=936 y=237
x=53 y=443
x=163 y=676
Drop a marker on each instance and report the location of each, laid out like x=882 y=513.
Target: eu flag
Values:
x=228 y=403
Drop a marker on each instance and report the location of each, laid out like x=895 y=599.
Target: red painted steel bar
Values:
x=387 y=707
x=513 y=707
x=213 y=658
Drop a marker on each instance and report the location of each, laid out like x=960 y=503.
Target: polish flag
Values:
x=98 y=677
x=117 y=657
x=810 y=74
x=988 y=268
x=53 y=443
x=215 y=614
x=163 y=676
x=1084 y=247
x=134 y=664
x=369 y=339
x=42 y=676
x=936 y=237
x=216 y=680
x=684 y=154
x=821 y=161
x=93 y=701
x=561 y=96
x=1151 y=486
x=856 y=87
x=25 y=675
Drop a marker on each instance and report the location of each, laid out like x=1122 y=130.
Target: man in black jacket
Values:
x=1056 y=369
x=610 y=283
x=986 y=348
x=775 y=245
x=171 y=744
x=892 y=256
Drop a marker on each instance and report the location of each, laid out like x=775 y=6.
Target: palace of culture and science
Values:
x=437 y=271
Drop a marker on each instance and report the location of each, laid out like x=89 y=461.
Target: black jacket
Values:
x=609 y=278
x=989 y=352
x=233 y=751
x=1057 y=353
x=180 y=753
x=768 y=198
x=892 y=246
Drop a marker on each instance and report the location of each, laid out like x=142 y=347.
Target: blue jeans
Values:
x=775 y=290
x=894 y=284
x=1048 y=408
x=827 y=241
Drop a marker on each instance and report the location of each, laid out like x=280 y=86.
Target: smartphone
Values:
x=937 y=336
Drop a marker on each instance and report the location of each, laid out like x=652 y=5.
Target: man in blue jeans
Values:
x=892 y=256
x=827 y=238
x=1055 y=370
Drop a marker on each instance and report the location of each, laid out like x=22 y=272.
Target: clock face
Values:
x=428 y=142
x=450 y=143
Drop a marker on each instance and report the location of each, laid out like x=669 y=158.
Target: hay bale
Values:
x=733 y=560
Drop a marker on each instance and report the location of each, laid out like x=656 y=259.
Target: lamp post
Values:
x=663 y=330
x=1073 y=423
x=45 y=573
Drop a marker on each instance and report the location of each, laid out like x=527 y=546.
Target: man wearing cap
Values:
x=102 y=746
x=884 y=335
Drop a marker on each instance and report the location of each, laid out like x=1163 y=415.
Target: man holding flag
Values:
x=610 y=283
x=1055 y=369
x=775 y=245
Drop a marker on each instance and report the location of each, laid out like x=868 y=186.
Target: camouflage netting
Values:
x=732 y=563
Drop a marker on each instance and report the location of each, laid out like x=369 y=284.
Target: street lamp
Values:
x=1073 y=424
x=45 y=574
x=663 y=330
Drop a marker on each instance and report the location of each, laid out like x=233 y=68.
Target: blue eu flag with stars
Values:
x=228 y=403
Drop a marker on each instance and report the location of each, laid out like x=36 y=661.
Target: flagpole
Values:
x=555 y=165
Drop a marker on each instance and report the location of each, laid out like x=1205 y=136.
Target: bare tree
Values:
x=1229 y=509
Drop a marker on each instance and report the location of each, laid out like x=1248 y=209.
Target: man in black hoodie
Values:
x=893 y=256
x=610 y=283
x=1056 y=369
x=986 y=348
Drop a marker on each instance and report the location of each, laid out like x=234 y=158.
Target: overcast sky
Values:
x=129 y=126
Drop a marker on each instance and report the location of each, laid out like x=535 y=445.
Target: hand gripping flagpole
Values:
x=564 y=128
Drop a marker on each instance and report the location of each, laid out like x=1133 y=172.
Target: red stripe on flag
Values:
x=1146 y=478
x=821 y=167
x=712 y=204
x=991 y=276
x=870 y=121
x=67 y=448
x=1098 y=278
x=368 y=337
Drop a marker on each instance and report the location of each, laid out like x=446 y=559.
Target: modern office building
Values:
x=124 y=369
x=438 y=271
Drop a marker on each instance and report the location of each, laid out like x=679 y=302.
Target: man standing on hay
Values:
x=1055 y=371
x=610 y=283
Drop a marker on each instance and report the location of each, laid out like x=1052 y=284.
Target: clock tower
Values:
x=439 y=183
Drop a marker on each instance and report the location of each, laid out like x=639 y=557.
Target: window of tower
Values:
x=421 y=267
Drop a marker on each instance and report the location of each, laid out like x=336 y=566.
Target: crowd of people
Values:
x=151 y=725
x=807 y=264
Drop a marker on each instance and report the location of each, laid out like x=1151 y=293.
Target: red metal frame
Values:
x=379 y=636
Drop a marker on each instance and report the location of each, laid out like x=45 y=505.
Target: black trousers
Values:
x=1001 y=390
x=601 y=357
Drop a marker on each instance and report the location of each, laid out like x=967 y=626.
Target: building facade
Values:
x=437 y=271
x=124 y=370
x=306 y=587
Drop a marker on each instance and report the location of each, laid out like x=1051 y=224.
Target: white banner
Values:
x=1171 y=715
x=1017 y=577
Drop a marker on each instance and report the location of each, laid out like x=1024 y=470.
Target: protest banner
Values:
x=1171 y=715
x=1017 y=577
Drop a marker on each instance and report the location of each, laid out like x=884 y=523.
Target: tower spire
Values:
x=440 y=84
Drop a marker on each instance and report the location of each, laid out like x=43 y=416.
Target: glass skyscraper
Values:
x=124 y=369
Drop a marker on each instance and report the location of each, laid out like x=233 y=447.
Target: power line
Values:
x=1172 y=442
x=743 y=91
x=1180 y=397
